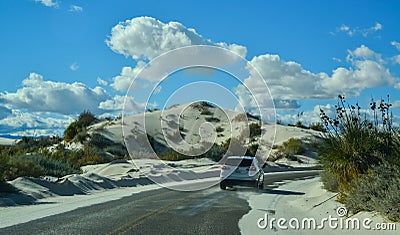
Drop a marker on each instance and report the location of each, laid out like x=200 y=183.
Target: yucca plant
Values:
x=354 y=143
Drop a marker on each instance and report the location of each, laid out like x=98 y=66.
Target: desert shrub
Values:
x=379 y=190
x=90 y=154
x=18 y=166
x=202 y=105
x=317 y=126
x=236 y=147
x=71 y=131
x=240 y=118
x=300 y=124
x=219 y=129
x=117 y=150
x=212 y=119
x=215 y=153
x=292 y=147
x=52 y=166
x=252 y=150
x=34 y=165
x=99 y=141
x=353 y=144
x=3 y=166
x=364 y=156
x=206 y=112
x=172 y=155
x=31 y=144
x=81 y=136
x=85 y=119
x=255 y=130
x=330 y=181
x=289 y=149
x=150 y=110
x=256 y=117
x=93 y=155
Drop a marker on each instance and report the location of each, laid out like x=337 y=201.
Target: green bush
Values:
x=317 y=126
x=117 y=150
x=234 y=147
x=53 y=167
x=292 y=147
x=253 y=116
x=206 y=112
x=85 y=119
x=12 y=167
x=3 y=166
x=255 y=130
x=31 y=144
x=289 y=149
x=99 y=141
x=252 y=150
x=71 y=131
x=379 y=190
x=215 y=153
x=219 y=129
x=363 y=156
x=19 y=166
x=299 y=124
x=329 y=181
x=212 y=119
x=353 y=144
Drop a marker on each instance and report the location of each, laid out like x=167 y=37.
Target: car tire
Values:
x=222 y=185
x=260 y=181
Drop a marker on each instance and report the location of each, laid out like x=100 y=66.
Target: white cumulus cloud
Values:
x=30 y=124
x=75 y=8
x=359 y=31
x=48 y=3
x=146 y=38
x=38 y=95
x=289 y=81
x=117 y=104
x=102 y=82
x=74 y=66
x=123 y=81
x=396 y=44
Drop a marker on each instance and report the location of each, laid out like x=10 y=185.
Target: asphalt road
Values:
x=161 y=211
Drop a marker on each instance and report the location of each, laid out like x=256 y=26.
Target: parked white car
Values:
x=241 y=170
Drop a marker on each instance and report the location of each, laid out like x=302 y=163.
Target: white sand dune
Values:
x=7 y=141
x=120 y=173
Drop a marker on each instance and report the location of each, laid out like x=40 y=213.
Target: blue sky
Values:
x=61 y=57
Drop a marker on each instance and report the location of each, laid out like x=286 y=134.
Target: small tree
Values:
x=85 y=119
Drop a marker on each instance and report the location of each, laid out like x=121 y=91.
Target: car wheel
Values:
x=222 y=185
x=260 y=181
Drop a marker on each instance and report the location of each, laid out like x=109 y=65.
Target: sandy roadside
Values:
x=304 y=199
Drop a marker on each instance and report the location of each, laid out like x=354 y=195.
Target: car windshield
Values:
x=238 y=162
